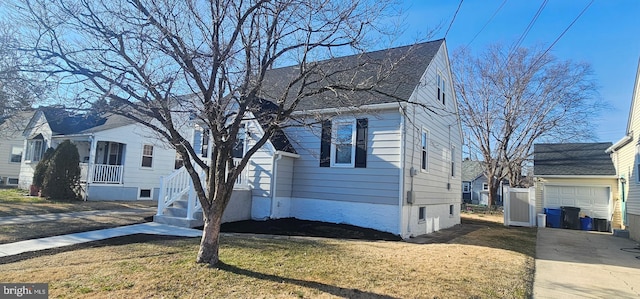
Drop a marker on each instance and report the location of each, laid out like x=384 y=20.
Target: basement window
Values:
x=145 y=193
x=450 y=210
x=422 y=214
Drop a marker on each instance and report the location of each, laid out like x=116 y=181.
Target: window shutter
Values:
x=362 y=127
x=325 y=144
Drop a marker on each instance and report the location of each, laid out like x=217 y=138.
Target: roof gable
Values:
x=63 y=122
x=471 y=170
x=572 y=159
x=405 y=66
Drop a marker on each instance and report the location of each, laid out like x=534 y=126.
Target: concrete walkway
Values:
x=71 y=239
x=21 y=219
x=582 y=264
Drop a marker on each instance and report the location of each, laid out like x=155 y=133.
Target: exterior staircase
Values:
x=177 y=202
x=176 y=215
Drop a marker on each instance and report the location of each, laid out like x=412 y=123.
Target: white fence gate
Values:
x=519 y=206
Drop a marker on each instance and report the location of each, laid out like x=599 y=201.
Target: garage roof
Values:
x=572 y=159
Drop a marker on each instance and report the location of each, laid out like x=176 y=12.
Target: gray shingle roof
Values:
x=409 y=64
x=63 y=122
x=572 y=159
x=471 y=170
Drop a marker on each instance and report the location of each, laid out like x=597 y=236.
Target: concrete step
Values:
x=177 y=221
x=622 y=233
x=183 y=203
x=175 y=212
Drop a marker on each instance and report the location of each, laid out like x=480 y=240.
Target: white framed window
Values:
x=485 y=186
x=424 y=150
x=452 y=159
x=441 y=84
x=343 y=147
x=16 y=154
x=35 y=150
x=422 y=214
x=466 y=187
x=12 y=181
x=638 y=163
x=147 y=155
x=451 y=211
x=240 y=145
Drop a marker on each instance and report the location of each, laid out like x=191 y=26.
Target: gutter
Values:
x=623 y=141
x=383 y=106
x=613 y=176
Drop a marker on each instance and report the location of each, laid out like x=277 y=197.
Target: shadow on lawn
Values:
x=495 y=235
x=334 y=290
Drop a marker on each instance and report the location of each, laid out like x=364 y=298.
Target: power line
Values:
x=559 y=37
x=563 y=32
x=487 y=23
x=454 y=18
x=524 y=34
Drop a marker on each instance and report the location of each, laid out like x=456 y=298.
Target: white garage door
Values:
x=592 y=201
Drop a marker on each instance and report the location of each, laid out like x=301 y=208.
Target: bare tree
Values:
x=510 y=99
x=160 y=59
x=18 y=90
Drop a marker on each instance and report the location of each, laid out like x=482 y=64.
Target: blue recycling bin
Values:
x=586 y=223
x=554 y=217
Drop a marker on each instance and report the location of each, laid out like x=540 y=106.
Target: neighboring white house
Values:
x=120 y=160
x=626 y=158
x=387 y=164
x=11 y=147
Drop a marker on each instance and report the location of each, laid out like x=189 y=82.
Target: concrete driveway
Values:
x=582 y=264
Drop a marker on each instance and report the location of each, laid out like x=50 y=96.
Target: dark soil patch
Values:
x=297 y=227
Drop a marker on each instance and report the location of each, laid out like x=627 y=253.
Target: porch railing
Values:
x=101 y=173
x=174 y=186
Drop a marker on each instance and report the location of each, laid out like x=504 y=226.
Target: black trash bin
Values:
x=570 y=217
x=600 y=224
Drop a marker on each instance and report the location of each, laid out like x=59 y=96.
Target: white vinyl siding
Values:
x=377 y=183
x=134 y=137
x=444 y=134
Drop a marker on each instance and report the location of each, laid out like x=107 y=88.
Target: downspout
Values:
x=276 y=157
x=401 y=169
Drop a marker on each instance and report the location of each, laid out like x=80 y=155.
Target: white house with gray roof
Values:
x=119 y=159
x=388 y=159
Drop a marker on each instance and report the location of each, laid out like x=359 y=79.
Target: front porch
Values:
x=101 y=173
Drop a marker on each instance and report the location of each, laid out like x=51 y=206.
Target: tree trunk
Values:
x=210 y=242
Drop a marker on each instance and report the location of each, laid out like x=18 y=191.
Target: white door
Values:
x=592 y=201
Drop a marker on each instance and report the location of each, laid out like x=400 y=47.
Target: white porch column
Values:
x=92 y=159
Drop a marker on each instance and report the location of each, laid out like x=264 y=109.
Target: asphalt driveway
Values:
x=582 y=264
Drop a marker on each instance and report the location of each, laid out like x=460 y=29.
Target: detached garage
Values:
x=578 y=175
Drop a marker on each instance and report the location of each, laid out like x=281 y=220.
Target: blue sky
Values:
x=607 y=36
